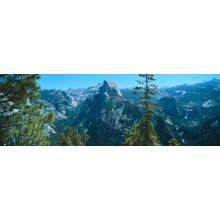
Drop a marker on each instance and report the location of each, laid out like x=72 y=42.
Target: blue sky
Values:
x=65 y=81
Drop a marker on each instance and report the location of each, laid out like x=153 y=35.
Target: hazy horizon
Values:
x=66 y=81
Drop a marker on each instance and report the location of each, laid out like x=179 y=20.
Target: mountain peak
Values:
x=110 y=88
x=215 y=80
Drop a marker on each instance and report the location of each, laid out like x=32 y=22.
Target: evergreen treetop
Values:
x=21 y=116
x=71 y=137
x=143 y=133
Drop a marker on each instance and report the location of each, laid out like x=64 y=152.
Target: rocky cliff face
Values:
x=106 y=115
x=59 y=102
x=169 y=106
x=109 y=88
x=197 y=107
x=64 y=103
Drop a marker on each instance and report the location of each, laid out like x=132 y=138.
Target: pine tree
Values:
x=173 y=142
x=71 y=137
x=21 y=117
x=143 y=133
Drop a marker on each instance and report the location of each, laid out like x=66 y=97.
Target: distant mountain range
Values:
x=190 y=113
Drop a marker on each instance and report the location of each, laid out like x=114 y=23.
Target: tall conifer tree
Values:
x=71 y=137
x=143 y=132
x=21 y=117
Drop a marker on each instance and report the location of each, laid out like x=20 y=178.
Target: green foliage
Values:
x=173 y=142
x=21 y=117
x=146 y=89
x=71 y=137
x=143 y=133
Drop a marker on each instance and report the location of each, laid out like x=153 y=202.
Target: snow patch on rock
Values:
x=48 y=130
x=209 y=103
x=169 y=121
x=73 y=102
x=60 y=116
x=214 y=124
x=181 y=92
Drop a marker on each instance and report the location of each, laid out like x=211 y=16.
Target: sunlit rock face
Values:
x=106 y=115
x=110 y=88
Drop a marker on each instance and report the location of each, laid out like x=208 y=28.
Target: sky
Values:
x=65 y=81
